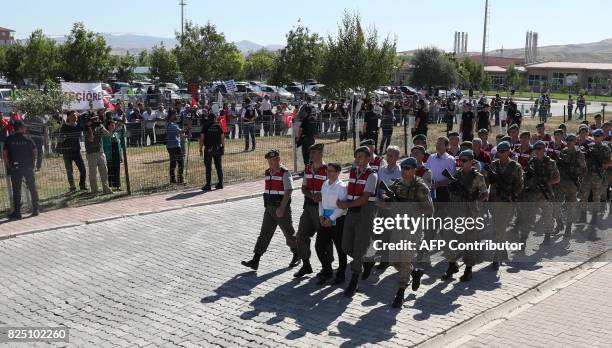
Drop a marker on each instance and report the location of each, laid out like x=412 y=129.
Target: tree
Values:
x=2 y=60
x=279 y=75
x=232 y=66
x=14 y=55
x=163 y=64
x=474 y=73
x=203 y=54
x=40 y=58
x=50 y=101
x=259 y=65
x=432 y=68
x=303 y=55
x=513 y=79
x=85 y=56
x=143 y=59
x=125 y=67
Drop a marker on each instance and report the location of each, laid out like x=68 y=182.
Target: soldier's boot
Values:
x=546 y=239
x=367 y=269
x=382 y=266
x=416 y=275
x=326 y=274
x=398 y=302
x=452 y=269
x=352 y=287
x=15 y=215
x=559 y=226
x=340 y=276
x=467 y=274
x=304 y=270
x=568 y=230
x=295 y=260
x=253 y=263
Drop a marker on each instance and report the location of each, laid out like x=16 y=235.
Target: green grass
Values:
x=554 y=95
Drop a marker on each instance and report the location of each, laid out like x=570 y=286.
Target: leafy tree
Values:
x=2 y=60
x=513 y=78
x=279 y=75
x=432 y=68
x=143 y=59
x=259 y=65
x=232 y=66
x=14 y=54
x=303 y=55
x=50 y=101
x=85 y=56
x=475 y=73
x=163 y=64
x=204 y=55
x=40 y=58
x=125 y=67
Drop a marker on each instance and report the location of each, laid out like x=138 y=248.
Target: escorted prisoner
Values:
x=315 y=175
x=278 y=186
x=357 y=233
x=409 y=188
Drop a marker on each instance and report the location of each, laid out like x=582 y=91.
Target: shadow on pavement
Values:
x=240 y=285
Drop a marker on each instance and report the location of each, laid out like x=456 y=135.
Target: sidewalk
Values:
x=578 y=315
x=129 y=206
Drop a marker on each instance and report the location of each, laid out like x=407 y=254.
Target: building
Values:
x=569 y=76
x=6 y=36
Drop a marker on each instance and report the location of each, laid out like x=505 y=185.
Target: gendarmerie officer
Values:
x=19 y=155
x=277 y=202
x=315 y=175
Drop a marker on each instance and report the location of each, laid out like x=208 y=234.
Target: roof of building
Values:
x=570 y=65
x=6 y=29
x=494 y=69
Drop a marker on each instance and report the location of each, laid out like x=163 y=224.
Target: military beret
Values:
x=419 y=137
x=316 y=147
x=483 y=131
x=598 y=132
x=420 y=148
x=272 y=153
x=453 y=134
x=506 y=138
x=539 y=143
x=363 y=149
x=366 y=142
x=585 y=122
x=504 y=145
x=558 y=131
x=409 y=162
x=597 y=116
x=540 y=125
x=514 y=126
x=467 y=144
x=466 y=154
x=583 y=128
x=571 y=137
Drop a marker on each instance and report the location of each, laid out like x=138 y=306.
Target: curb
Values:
x=454 y=335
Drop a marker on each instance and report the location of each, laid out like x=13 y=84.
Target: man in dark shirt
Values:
x=420 y=119
x=370 y=124
x=19 y=154
x=212 y=142
x=70 y=147
x=467 y=123
x=386 y=125
x=306 y=134
x=483 y=119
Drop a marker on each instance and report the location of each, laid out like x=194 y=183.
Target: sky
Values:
x=415 y=24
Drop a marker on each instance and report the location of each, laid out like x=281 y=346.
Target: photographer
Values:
x=96 y=161
x=212 y=141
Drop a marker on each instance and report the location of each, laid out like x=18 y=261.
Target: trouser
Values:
x=176 y=158
x=240 y=130
x=323 y=246
x=569 y=112
x=78 y=160
x=467 y=136
x=96 y=162
x=211 y=155
x=257 y=128
x=249 y=131
x=581 y=110
x=306 y=143
x=468 y=236
x=595 y=184
x=114 y=170
x=442 y=195
x=565 y=191
x=268 y=227
x=385 y=141
x=39 y=149
x=267 y=122
x=372 y=135
x=496 y=114
x=357 y=236
x=231 y=131
x=502 y=215
x=149 y=132
x=308 y=226
x=16 y=176
x=343 y=125
x=527 y=211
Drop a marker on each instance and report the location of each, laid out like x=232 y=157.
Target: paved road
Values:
x=577 y=316
x=175 y=278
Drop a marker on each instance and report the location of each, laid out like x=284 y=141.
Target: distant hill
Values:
x=594 y=52
x=122 y=43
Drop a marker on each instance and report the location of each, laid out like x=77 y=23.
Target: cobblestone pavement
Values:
x=577 y=316
x=174 y=278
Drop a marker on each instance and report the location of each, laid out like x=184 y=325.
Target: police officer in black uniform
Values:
x=306 y=134
x=212 y=142
x=19 y=156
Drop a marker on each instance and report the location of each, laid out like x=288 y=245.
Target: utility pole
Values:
x=484 y=34
x=182 y=5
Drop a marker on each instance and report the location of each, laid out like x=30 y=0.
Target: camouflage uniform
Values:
x=464 y=204
x=417 y=192
x=572 y=165
x=506 y=182
x=595 y=180
x=534 y=198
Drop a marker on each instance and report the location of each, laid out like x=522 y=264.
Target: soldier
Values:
x=541 y=174
x=466 y=186
x=421 y=140
x=483 y=134
x=583 y=136
x=554 y=147
x=409 y=188
x=572 y=167
x=523 y=150
x=357 y=233
x=277 y=205
x=376 y=162
x=315 y=175
x=598 y=161
x=421 y=171
x=506 y=179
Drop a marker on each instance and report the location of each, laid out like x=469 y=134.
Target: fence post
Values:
x=294 y=128
x=126 y=167
x=563 y=113
x=405 y=121
x=603 y=112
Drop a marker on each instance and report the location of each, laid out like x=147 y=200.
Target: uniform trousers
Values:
x=268 y=227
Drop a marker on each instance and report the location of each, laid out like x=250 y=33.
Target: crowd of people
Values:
x=519 y=175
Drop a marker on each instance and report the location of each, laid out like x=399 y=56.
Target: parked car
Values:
x=276 y=93
x=310 y=82
x=119 y=87
x=408 y=90
x=168 y=85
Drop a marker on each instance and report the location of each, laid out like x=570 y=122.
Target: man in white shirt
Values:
x=148 y=118
x=266 y=111
x=332 y=223
x=436 y=164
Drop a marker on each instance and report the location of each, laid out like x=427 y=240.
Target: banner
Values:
x=230 y=86
x=83 y=94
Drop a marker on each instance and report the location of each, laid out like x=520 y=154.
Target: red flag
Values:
x=194 y=101
x=223 y=124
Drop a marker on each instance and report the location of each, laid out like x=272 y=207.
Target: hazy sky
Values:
x=415 y=23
